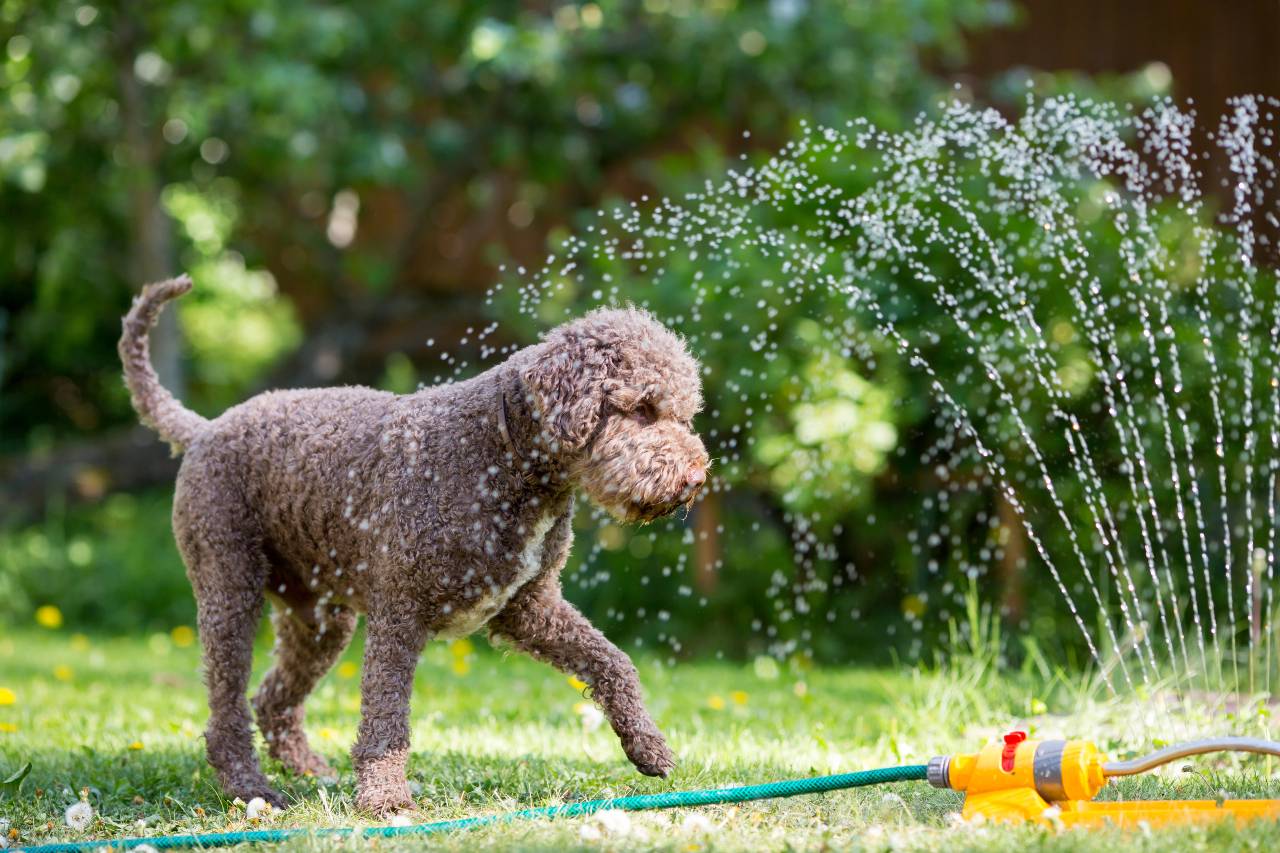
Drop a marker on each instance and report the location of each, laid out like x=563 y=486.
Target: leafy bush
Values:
x=112 y=567
x=349 y=157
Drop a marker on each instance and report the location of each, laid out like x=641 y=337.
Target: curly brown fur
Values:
x=431 y=514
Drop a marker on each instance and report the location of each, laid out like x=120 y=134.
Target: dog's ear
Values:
x=570 y=379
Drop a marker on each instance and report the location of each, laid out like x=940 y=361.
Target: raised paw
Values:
x=649 y=752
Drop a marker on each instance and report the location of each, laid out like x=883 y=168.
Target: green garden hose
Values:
x=641 y=802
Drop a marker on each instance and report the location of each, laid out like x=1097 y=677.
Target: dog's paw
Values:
x=650 y=754
x=267 y=793
x=381 y=788
x=385 y=802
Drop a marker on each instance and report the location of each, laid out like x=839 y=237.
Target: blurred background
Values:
x=344 y=182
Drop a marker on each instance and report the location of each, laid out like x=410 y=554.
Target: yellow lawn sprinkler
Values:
x=1052 y=781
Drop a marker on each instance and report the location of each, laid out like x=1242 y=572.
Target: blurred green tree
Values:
x=331 y=175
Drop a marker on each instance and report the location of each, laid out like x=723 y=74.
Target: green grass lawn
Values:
x=121 y=721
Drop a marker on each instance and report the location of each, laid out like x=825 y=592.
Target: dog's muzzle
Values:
x=646 y=512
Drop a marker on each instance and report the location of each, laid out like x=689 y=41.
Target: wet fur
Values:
x=415 y=511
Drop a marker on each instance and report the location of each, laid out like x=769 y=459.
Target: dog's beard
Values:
x=637 y=513
x=639 y=474
x=643 y=505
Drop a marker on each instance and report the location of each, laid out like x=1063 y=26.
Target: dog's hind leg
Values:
x=227 y=569
x=309 y=639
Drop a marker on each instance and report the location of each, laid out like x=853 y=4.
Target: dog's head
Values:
x=616 y=393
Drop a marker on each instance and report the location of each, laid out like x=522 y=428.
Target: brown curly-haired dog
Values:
x=436 y=514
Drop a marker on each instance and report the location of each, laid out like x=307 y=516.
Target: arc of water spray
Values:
x=1018 y=320
x=882 y=216
x=987 y=361
x=1003 y=479
x=1016 y=310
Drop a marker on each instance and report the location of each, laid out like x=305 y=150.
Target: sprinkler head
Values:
x=1055 y=781
x=1020 y=779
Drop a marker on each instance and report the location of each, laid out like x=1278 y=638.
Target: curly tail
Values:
x=156 y=407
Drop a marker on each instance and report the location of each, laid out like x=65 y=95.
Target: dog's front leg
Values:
x=539 y=622
x=381 y=750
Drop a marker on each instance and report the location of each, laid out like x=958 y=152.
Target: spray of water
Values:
x=1100 y=346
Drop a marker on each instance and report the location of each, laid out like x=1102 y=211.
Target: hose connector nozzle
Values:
x=939 y=769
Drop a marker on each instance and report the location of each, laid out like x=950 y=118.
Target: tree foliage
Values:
x=350 y=159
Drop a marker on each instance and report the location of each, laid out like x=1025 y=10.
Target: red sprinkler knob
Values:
x=1011 y=741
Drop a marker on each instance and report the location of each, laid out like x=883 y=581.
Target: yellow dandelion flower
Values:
x=7 y=696
x=577 y=684
x=461 y=666
x=136 y=745
x=8 y=728
x=62 y=672
x=739 y=697
x=79 y=643
x=49 y=616
x=329 y=734
x=715 y=702
x=800 y=689
x=183 y=636
x=347 y=669
x=462 y=647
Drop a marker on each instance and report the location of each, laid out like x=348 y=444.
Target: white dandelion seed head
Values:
x=613 y=822
x=589 y=715
x=696 y=824
x=79 y=816
x=257 y=808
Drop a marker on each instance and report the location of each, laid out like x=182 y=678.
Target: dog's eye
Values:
x=645 y=413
